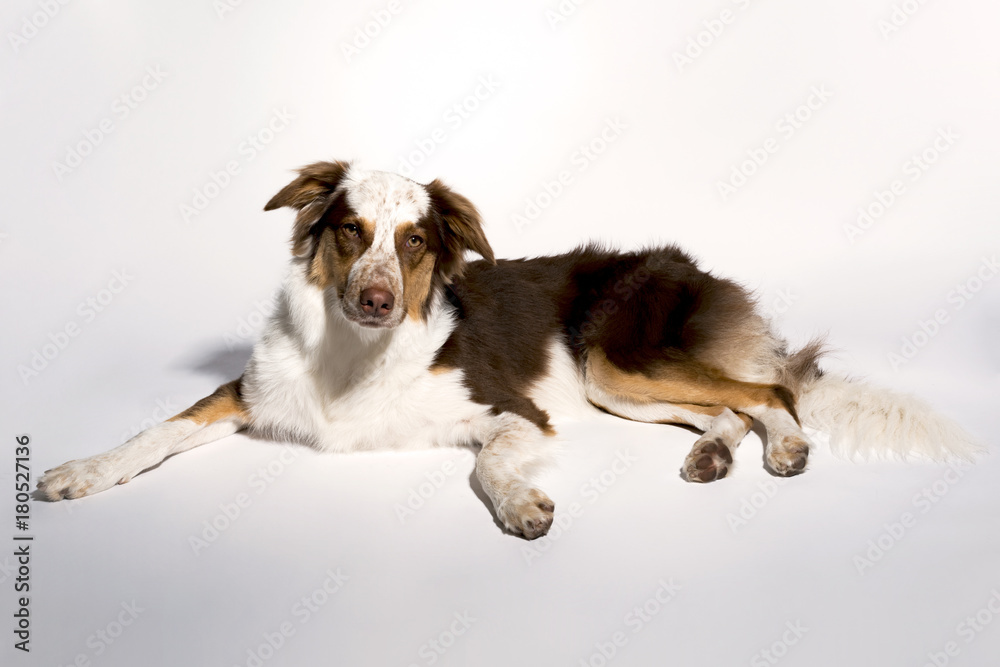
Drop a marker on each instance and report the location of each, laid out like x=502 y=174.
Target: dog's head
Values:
x=382 y=241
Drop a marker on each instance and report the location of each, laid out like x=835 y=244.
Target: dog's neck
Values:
x=342 y=353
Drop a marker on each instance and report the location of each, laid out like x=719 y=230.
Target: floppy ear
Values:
x=462 y=229
x=311 y=193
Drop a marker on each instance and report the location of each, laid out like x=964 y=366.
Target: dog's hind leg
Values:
x=711 y=456
x=213 y=417
x=511 y=445
x=686 y=392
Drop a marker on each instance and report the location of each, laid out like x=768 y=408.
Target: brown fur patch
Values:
x=802 y=367
x=336 y=250
x=417 y=287
x=710 y=410
x=312 y=193
x=226 y=401
x=323 y=267
x=417 y=266
x=681 y=382
x=462 y=229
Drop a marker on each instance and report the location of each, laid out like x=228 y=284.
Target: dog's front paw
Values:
x=788 y=456
x=708 y=461
x=527 y=512
x=79 y=478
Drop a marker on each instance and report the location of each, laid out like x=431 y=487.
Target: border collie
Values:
x=385 y=337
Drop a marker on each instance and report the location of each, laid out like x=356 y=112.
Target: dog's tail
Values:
x=866 y=421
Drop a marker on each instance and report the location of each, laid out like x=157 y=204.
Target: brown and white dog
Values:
x=384 y=337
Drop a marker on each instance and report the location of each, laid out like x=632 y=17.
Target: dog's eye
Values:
x=414 y=241
x=350 y=229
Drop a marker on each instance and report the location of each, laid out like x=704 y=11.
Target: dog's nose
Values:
x=377 y=302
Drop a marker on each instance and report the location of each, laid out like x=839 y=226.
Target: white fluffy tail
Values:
x=866 y=421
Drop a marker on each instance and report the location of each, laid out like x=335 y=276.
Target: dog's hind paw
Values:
x=788 y=456
x=708 y=461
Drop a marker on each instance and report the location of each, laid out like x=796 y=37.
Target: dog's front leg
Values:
x=215 y=416
x=511 y=446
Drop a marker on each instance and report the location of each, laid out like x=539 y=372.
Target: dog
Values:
x=384 y=336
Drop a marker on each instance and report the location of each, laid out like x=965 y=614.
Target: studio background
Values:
x=838 y=158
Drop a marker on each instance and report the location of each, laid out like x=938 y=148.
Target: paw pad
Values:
x=708 y=461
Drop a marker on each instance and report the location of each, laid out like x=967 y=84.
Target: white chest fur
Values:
x=317 y=377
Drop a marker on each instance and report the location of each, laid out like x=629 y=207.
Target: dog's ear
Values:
x=311 y=193
x=462 y=229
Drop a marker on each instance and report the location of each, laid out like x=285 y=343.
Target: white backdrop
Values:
x=840 y=158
